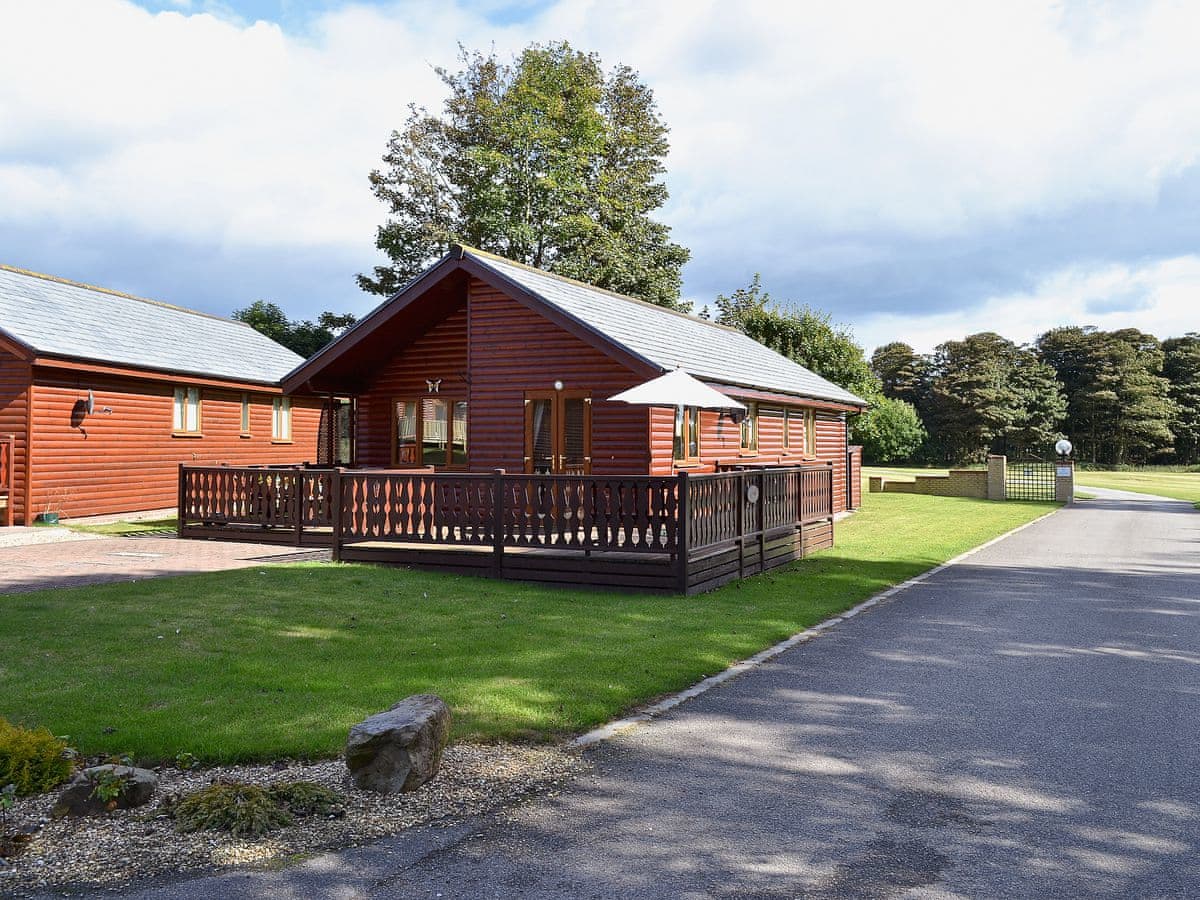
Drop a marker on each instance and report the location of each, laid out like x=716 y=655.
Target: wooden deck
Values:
x=683 y=534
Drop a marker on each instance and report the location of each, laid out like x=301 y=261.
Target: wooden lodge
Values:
x=103 y=395
x=474 y=431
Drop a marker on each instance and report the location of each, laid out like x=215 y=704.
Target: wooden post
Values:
x=762 y=521
x=298 y=506
x=830 y=464
x=682 y=537
x=335 y=513
x=180 y=502
x=498 y=497
x=740 y=507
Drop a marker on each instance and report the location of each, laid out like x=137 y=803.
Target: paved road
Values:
x=1023 y=724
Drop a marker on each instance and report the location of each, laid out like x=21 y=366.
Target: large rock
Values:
x=401 y=749
x=79 y=797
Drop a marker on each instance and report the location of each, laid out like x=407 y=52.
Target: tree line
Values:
x=1122 y=397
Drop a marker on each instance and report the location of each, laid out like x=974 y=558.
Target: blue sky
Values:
x=919 y=170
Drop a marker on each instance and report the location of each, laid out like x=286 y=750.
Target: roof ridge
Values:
x=103 y=290
x=466 y=249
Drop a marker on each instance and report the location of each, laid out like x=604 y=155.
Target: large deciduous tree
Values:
x=548 y=160
x=802 y=334
x=301 y=336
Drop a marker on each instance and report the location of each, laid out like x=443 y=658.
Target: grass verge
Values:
x=117 y=529
x=279 y=661
x=1164 y=483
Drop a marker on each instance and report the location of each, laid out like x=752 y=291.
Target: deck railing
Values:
x=7 y=455
x=672 y=517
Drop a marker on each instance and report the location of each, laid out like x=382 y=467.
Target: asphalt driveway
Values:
x=1021 y=724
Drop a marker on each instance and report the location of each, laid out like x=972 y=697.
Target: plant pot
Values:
x=46 y=518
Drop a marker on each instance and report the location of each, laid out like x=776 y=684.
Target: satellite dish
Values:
x=90 y=403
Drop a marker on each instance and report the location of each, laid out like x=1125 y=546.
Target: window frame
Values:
x=451 y=402
x=686 y=425
x=246 y=420
x=281 y=413
x=748 y=430
x=810 y=433
x=787 y=428
x=186 y=398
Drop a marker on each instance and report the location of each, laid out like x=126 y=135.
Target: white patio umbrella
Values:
x=677 y=388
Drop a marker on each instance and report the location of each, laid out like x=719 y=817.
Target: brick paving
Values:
x=100 y=560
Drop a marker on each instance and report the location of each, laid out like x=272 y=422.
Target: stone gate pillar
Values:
x=997 y=467
x=1064 y=481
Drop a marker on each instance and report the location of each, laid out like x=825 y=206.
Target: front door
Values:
x=558 y=433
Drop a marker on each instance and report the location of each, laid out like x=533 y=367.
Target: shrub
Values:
x=243 y=810
x=306 y=798
x=33 y=759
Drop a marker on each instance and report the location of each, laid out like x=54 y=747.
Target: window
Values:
x=245 y=426
x=281 y=419
x=787 y=428
x=750 y=427
x=186 y=418
x=810 y=433
x=431 y=432
x=687 y=433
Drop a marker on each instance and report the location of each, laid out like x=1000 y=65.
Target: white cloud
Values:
x=793 y=124
x=1161 y=297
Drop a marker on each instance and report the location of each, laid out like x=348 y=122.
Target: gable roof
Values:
x=642 y=335
x=666 y=338
x=55 y=317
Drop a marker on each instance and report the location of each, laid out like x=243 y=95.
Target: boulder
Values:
x=401 y=749
x=79 y=797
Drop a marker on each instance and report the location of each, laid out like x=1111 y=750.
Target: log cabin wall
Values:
x=15 y=379
x=439 y=353
x=128 y=460
x=513 y=350
x=721 y=441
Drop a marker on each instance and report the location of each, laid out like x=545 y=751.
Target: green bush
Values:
x=243 y=810
x=33 y=759
x=306 y=798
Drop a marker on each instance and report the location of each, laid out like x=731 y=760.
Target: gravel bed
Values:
x=83 y=855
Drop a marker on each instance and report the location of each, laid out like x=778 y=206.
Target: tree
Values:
x=890 y=431
x=1119 y=408
x=302 y=337
x=987 y=393
x=1181 y=367
x=902 y=372
x=802 y=334
x=549 y=160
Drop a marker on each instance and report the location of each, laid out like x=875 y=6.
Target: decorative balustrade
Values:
x=672 y=518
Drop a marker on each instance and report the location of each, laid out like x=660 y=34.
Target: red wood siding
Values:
x=441 y=352
x=15 y=378
x=721 y=441
x=128 y=460
x=514 y=350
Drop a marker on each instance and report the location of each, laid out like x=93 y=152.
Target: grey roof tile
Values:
x=670 y=339
x=61 y=318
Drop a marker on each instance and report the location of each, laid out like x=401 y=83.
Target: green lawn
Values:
x=280 y=660
x=123 y=527
x=1164 y=481
x=1180 y=485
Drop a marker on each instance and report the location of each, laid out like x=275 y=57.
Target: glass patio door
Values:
x=558 y=433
